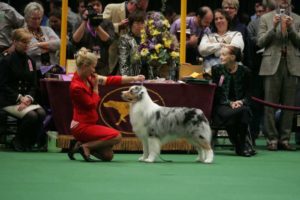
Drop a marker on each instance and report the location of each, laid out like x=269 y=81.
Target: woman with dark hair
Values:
x=129 y=61
x=211 y=44
x=231 y=106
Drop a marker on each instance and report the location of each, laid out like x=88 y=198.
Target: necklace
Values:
x=38 y=35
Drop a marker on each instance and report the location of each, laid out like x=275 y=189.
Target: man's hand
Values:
x=123 y=24
x=193 y=41
x=288 y=21
x=276 y=20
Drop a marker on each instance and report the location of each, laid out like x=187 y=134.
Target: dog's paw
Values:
x=149 y=160
x=199 y=159
x=208 y=160
x=142 y=159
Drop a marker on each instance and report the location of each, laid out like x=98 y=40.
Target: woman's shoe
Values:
x=85 y=157
x=74 y=147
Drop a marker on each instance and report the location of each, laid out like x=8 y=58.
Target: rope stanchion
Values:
x=274 y=105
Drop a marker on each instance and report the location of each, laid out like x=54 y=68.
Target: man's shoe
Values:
x=286 y=147
x=272 y=147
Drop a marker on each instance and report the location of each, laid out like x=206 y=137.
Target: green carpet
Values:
x=269 y=175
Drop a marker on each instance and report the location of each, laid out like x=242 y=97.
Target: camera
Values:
x=282 y=12
x=94 y=17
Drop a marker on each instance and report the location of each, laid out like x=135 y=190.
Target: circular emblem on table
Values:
x=114 y=111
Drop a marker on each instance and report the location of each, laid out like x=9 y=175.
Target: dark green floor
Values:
x=32 y=176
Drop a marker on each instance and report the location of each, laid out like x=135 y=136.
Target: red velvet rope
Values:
x=274 y=105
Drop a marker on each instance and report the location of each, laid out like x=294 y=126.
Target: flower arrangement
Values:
x=158 y=46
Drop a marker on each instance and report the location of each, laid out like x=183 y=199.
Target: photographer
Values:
x=95 y=33
x=279 y=35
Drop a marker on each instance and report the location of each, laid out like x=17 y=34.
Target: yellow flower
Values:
x=144 y=52
x=174 y=54
x=153 y=57
x=157 y=47
x=156 y=32
x=166 y=23
x=151 y=21
x=167 y=42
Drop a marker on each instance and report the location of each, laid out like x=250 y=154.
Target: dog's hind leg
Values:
x=145 y=149
x=154 y=145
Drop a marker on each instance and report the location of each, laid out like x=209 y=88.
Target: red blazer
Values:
x=85 y=101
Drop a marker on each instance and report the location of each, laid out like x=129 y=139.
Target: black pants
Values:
x=30 y=128
x=236 y=122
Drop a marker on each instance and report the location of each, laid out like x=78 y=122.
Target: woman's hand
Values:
x=139 y=78
x=26 y=100
x=236 y=104
x=22 y=106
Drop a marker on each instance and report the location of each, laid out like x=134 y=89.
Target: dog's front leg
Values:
x=154 y=149
x=145 y=149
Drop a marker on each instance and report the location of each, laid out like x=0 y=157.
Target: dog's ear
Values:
x=136 y=89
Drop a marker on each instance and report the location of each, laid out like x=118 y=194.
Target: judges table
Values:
x=114 y=112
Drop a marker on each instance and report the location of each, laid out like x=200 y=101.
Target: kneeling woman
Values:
x=93 y=139
x=231 y=106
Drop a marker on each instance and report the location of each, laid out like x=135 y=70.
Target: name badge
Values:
x=30 y=65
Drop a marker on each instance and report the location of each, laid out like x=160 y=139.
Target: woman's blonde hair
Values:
x=234 y=3
x=21 y=34
x=32 y=7
x=85 y=57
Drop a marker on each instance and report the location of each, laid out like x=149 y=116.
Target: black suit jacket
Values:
x=18 y=75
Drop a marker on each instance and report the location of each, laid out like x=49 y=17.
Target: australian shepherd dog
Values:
x=156 y=125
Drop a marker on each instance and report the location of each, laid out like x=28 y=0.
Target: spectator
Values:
x=80 y=8
x=211 y=44
x=73 y=18
x=10 y=19
x=118 y=13
x=255 y=53
x=96 y=35
x=18 y=85
x=45 y=42
x=143 y=4
x=55 y=22
x=259 y=11
x=170 y=14
x=231 y=105
x=129 y=59
x=279 y=35
x=231 y=7
x=92 y=139
x=197 y=26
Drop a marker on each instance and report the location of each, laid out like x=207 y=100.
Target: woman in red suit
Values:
x=93 y=139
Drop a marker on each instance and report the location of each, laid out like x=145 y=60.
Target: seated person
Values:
x=18 y=85
x=231 y=106
x=93 y=139
x=211 y=44
x=129 y=60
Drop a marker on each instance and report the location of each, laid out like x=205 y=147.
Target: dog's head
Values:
x=134 y=94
